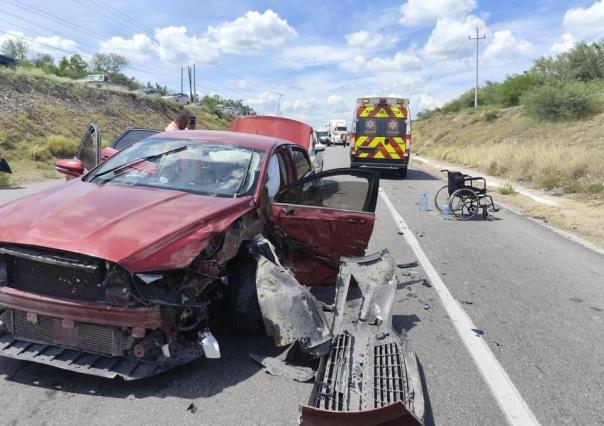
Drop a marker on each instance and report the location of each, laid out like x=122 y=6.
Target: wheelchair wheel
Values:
x=464 y=204
x=441 y=198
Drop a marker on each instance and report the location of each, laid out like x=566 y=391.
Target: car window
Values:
x=204 y=167
x=341 y=192
x=88 y=150
x=132 y=136
x=301 y=162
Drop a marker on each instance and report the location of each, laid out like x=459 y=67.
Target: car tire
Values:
x=244 y=310
x=402 y=172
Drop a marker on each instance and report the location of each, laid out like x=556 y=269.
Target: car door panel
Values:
x=326 y=216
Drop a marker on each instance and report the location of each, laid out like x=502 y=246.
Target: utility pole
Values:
x=181 y=71
x=476 y=83
x=278 y=111
x=194 y=85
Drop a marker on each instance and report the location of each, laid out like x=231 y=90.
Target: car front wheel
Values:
x=244 y=311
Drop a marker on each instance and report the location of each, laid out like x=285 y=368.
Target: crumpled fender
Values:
x=290 y=312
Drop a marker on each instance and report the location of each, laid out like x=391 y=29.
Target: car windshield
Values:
x=322 y=133
x=198 y=167
x=341 y=129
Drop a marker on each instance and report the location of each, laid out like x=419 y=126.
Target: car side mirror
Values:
x=107 y=153
x=319 y=147
x=72 y=167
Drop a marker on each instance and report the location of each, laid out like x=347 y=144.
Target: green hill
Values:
x=42 y=118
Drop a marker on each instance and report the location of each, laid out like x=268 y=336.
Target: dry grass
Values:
x=547 y=155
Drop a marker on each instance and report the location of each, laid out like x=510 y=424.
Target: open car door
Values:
x=324 y=217
x=89 y=151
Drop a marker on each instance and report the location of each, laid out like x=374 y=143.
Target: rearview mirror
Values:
x=319 y=147
x=72 y=167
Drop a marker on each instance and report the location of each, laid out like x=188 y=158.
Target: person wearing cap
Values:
x=179 y=123
x=191 y=123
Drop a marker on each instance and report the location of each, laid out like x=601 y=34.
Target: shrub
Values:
x=61 y=146
x=490 y=116
x=38 y=152
x=506 y=189
x=560 y=102
x=4 y=181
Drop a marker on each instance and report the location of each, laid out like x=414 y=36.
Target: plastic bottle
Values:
x=446 y=212
x=423 y=202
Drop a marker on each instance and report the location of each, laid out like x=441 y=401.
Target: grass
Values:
x=567 y=155
x=4 y=181
x=48 y=114
x=506 y=189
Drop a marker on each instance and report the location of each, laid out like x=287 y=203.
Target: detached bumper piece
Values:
x=77 y=360
x=370 y=376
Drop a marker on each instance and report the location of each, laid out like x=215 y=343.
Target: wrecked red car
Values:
x=122 y=270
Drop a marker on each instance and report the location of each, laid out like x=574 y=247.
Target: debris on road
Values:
x=427 y=306
x=192 y=408
x=478 y=331
x=466 y=302
x=407 y=265
x=279 y=367
x=426 y=283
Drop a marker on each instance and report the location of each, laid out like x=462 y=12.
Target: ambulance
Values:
x=380 y=136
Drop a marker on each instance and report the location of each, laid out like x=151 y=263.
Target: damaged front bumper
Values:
x=367 y=373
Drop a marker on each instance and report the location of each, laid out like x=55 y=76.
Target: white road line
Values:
x=507 y=396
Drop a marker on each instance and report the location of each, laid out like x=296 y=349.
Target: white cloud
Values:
x=401 y=61
x=300 y=104
x=138 y=48
x=504 y=46
x=43 y=44
x=586 y=23
x=334 y=100
x=565 y=44
x=175 y=46
x=419 y=12
x=423 y=102
x=262 y=99
x=450 y=37
x=364 y=39
x=252 y=32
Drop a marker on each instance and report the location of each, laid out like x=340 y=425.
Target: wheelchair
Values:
x=465 y=195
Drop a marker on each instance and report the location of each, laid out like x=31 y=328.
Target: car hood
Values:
x=142 y=229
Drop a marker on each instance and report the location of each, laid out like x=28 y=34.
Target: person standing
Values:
x=179 y=123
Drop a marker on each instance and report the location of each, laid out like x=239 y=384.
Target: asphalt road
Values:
x=536 y=299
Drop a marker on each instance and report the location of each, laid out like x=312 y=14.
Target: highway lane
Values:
x=537 y=298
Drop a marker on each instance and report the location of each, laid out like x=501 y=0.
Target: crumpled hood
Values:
x=142 y=229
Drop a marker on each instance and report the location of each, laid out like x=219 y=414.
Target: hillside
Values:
x=42 y=117
x=567 y=156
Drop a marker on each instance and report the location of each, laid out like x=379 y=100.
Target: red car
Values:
x=122 y=270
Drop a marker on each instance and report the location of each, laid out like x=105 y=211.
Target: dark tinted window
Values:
x=381 y=127
x=300 y=162
x=131 y=136
x=342 y=192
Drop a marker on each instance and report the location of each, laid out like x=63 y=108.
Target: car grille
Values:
x=56 y=274
x=389 y=375
x=90 y=337
x=334 y=391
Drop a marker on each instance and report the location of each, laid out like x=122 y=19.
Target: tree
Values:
x=15 y=48
x=109 y=63
x=45 y=62
x=77 y=66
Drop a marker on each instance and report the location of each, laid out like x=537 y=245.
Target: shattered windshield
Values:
x=199 y=167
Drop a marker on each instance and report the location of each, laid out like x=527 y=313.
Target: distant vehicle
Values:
x=322 y=135
x=337 y=131
x=7 y=61
x=381 y=134
x=181 y=98
x=96 y=78
x=286 y=129
x=149 y=91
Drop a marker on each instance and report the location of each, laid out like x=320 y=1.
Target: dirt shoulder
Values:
x=579 y=217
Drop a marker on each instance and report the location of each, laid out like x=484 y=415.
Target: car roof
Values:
x=246 y=140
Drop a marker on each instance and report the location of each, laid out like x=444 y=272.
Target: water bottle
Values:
x=446 y=212
x=423 y=202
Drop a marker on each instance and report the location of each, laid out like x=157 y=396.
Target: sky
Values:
x=317 y=56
